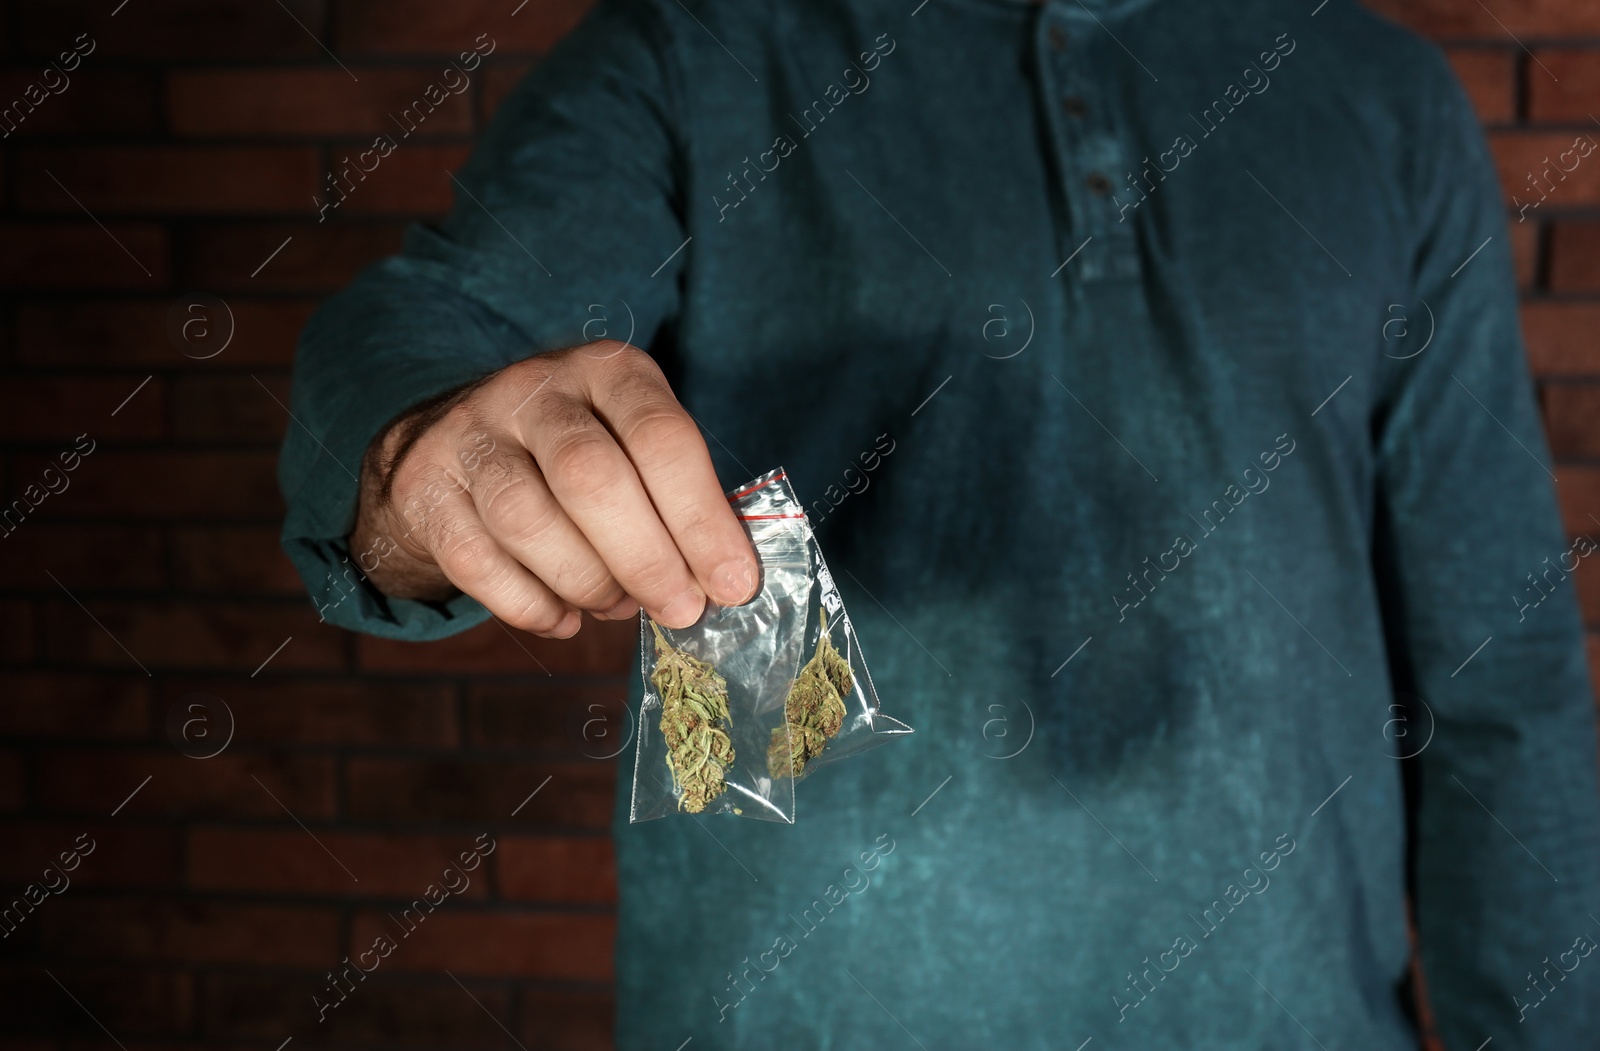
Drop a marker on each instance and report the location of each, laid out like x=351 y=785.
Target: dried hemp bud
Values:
x=694 y=714
x=814 y=709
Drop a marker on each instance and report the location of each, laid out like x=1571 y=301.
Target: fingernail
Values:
x=734 y=582
x=683 y=610
x=568 y=626
x=622 y=610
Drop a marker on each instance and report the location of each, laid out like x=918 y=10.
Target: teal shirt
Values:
x=1216 y=561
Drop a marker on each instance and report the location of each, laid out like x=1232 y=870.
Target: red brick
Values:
x=178 y=29
x=232 y=560
x=1575 y=258
x=82 y=255
x=163 y=484
x=411 y=180
x=119 y=101
x=519 y=944
x=1490 y=77
x=186 y=180
x=600 y=648
x=1574 y=93
x=550 y=869
x=18 y=634
x=1525 y=252
x=59 y=408
x=127 y=1001
x=570 y=719
x=13 y=786
x=120 y=854
x=568 y=1019
x=1579 y=493
x=379 y=1012
x=97 y=781
x=88 y=557
x=287 y=861
x=418 y=27
x=269 y=102
x=61 y=705
x=497 y=84
x=319 y=258
x=192 y=932
x=1561 y=338
x=348 y=712
x=132 y=332
x=191 y=633
x=1587 y=581
x=473 y=792
x=1520 y=155
x=1570 y=411
x=1526 y=18
x=231 y=408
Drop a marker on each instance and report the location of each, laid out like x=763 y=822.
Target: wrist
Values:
x=381 y=543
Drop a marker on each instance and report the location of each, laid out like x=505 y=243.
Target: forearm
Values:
x=1506 y=872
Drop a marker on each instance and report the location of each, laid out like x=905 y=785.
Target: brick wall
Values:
x=221 y=890
x=206 y=915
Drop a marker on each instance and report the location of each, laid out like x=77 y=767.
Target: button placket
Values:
x=1089 y=154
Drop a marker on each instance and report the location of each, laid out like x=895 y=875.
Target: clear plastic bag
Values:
x=750 y=699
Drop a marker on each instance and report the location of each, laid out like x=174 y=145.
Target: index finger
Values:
x=663 y=442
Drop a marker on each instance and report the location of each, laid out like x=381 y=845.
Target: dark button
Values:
x=1058 y=38
x=1099 y=185
x=1074 y=105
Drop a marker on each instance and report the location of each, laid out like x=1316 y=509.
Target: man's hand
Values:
x=569 y=481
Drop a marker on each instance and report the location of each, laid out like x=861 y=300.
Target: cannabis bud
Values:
x=694 y=711
x=814 y=708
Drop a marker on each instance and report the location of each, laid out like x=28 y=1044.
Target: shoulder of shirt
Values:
x=1392 y=61
x=1405 y=99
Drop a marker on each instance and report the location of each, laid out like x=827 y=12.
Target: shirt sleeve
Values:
x=562 y=220
x=1506 y=816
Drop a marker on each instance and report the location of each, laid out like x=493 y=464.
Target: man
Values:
x=1192 y=331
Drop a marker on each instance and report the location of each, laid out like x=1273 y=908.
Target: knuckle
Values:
x=698 y=523
x=591 y=587
x=517 y=512
x=463 y=417
x=475 y=446
x=561 y=416
x=414 y=471
x=419 y=494
x=530 y=381
x=607 y=355
x=659 y=578
x=609 y=350
x=656 y=427
x=462 y=549
x=634 y=366
x=536 y=613
x=537 y=367
x=582 y=460
x=498 y=483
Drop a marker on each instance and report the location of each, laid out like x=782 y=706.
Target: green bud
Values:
x=694 y=721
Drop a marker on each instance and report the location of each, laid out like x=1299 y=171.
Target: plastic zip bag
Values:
x=750 y=699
